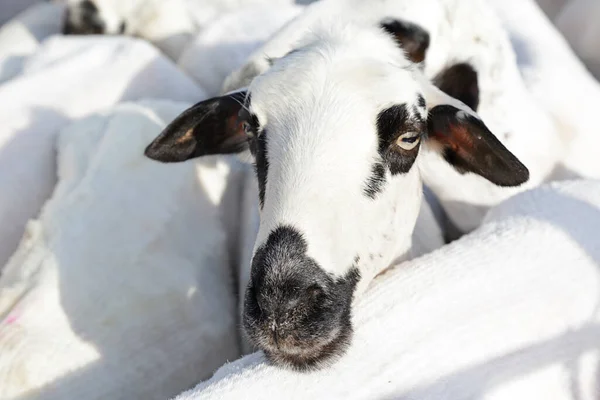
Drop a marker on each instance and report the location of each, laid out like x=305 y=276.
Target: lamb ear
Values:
x=468 y=145
x=460 y=81
x=413 y=39
x=209 y=127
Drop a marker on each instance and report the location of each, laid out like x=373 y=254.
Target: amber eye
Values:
x=408 y=141
x=248 y=129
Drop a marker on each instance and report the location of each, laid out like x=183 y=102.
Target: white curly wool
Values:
x=559 y=82
x=120 y=289
x=68 y=78
x=510 y=311
x=22 y=36
x=227 y=42
x=578 y=22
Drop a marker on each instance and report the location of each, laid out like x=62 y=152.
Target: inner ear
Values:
x=460 y=81
x=468 y=145
x=209 y=127
x=413 y=39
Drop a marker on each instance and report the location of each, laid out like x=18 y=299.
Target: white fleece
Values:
x=226 y=43
x=120 y=289
x=21 y=36
x=559 y=82
x=68 y=78
x=510 y=311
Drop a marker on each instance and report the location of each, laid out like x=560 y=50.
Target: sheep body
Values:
x=100 y=73
x=553 y=73
x=509 y=311
x=126 y=267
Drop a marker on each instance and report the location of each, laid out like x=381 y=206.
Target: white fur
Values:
x=171 y=24
x=167 y=24
x=559 y=82
x=464 y=30
x=322 y=142
x=578 y=22
x=226 y=43
x=507 y=312
x=119 y=290
x=21 y=37
x=68 y=78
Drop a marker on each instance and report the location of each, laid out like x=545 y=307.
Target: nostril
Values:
x=315 y=292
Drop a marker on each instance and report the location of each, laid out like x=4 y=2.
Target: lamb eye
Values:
x=408 y=141
x=248 y=129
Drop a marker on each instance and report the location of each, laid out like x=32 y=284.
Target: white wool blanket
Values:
x=511 y=311
x=120 y=289
x=68 y=78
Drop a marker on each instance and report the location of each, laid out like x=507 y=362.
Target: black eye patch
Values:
x=391 y=124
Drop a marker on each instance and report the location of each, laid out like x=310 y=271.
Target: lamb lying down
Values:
x=510 y=311
x=463 y=48
x=120 y=289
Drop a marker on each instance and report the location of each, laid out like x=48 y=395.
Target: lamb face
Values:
x=335 y=129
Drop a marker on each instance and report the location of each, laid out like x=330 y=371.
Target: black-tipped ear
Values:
x=413 y=39
x=209 y=127
x=460 y=81
x=468 y=145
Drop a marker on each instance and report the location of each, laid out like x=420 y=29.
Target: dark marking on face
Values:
x=460 y=81
x=391 y=124
x=376 y=181
x=258 y=147
x=421 y=102
x=294 y=311
x=83 y=19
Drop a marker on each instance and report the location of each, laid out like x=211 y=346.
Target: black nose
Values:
x=294 y=311
x=83 y=19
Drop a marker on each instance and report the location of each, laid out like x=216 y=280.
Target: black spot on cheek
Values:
x=375 y=182
x=421 y=102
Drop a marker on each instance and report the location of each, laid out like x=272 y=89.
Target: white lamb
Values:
x=510 y=311
x=225 y=44
x=460 y=32
x=559 y=82
x=120 y=289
